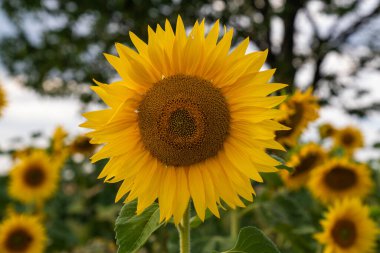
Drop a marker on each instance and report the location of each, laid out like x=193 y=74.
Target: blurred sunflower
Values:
x=349 y=138
x=188 y=120
x=58 y=139
x=347 y=228
x=82 y=145
x=339 y=178
x=22 y=234
x=3 y=100
x=20 y=153
x=34 y=178
x=326 y=130
x=299 y=110
x=60 y=150
x=308 y=158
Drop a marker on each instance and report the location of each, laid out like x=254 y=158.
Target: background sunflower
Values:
x=3 y=101
x=34 y=178
x=299 y=110
x=326 y=130
x=309 y=157
x=22 y=234
x=349 y=138
x=81 y=145
x=348 y=228
x=340 y=178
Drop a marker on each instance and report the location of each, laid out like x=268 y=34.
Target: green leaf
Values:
x=284 y=167
x=278 y=158
x=252 y=240
x=132 y=231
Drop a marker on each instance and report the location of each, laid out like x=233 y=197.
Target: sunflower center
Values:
x=348 y=139
x=18 y=240
x=292 y=121
x=306 y=164
x=340 y=178
x=344 y=233
x=83 y=145
x=183 y=120
x=34 y=176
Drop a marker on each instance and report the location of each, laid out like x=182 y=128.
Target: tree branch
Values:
x=342 y=37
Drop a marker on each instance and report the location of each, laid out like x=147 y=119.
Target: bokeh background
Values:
x=50 y=50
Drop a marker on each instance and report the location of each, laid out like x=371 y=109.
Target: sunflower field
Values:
x=190 y=126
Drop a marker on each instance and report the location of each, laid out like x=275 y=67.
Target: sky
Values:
x=28 y=112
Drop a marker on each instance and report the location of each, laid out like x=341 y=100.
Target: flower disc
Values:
x=188 y=120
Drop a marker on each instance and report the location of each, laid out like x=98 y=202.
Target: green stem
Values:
x=234 y=226
x=184 y=232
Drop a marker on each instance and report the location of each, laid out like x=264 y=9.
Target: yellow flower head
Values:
x=58 y=139
x=347 y=228
x=82 y=145
x=189 y=119
x=299 y=109
x=339 y=178
x=34 y=178
x=60 y=151
x=326 y=130
x=22 y=234
x=350 y=138
x=3 y=100
x=308 y=158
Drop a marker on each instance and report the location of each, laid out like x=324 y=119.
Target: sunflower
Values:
x=347 y=228
x=34 y=178
x=3 y=100
x=300 y=109
x=20 y=153
x=326 y=130
x=308 y=158
x=188 y=120
x=82 y=145
x=349 y=138
x=339 y=178
x=60 y=151
x=58 y=139
x=22 y=234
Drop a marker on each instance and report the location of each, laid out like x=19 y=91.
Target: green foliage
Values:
x=251 y=240
x=132 y=231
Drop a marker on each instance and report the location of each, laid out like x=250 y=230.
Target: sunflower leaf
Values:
x=252 y=239
x=132 y=231
x=282 y=166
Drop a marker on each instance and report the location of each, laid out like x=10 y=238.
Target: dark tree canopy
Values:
x=57 y=45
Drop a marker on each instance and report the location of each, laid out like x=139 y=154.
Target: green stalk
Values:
x=184 y=232
x=234 y=224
